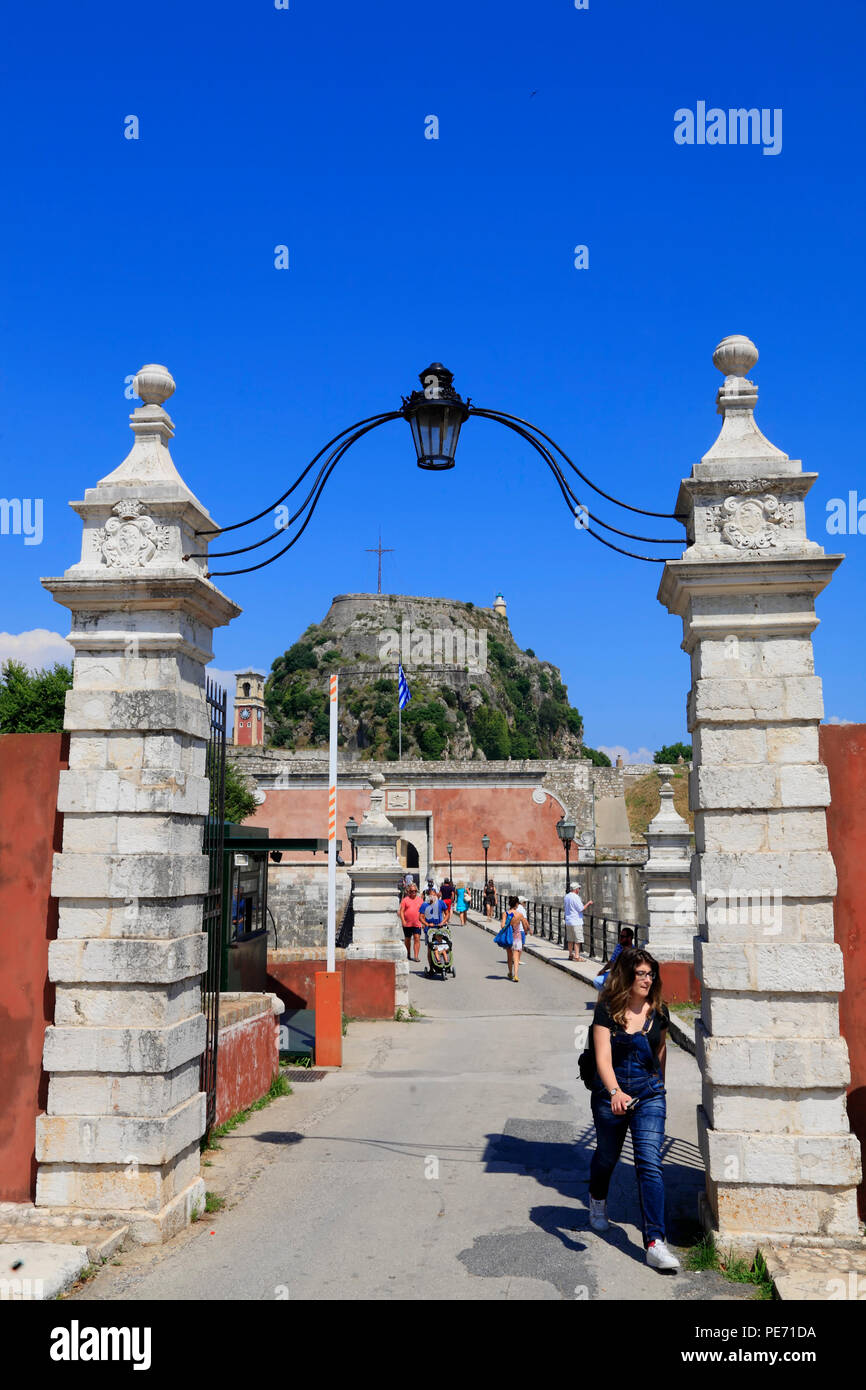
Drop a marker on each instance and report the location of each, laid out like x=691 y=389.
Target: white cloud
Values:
x=35 y=649
x=40 y=648
x=613 y=751
x=835 y=719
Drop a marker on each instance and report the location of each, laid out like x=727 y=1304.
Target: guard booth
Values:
x=247 y=919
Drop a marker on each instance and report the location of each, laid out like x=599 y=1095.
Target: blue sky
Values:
x=305 y=127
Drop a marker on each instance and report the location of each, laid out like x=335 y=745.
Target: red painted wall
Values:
x=843 y=750
x=680 y=983
x=520 y=831
x=30 y=832
x=368 y=985
x=247 y=1060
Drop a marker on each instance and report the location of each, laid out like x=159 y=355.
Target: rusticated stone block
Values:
x=153 y=918
x=128 y=961
x=783 y=967
x=151 y=1139
x=780 y=1063
x=795 y=1160
x=804 y=785
x=136 y=1006
x=129 y=875
x=717 y=745
x=799 y=874
x=101 y=710
x=765 y=700
x=769 y=1015
x=739 y=788
x=128 y=834
x=84 y=1093
x=124 y=1185
x=145 y=790
x=764 y=1110
x=772 y=1209
x=124 y=1049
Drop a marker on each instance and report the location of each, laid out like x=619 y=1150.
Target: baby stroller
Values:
x=440 y=953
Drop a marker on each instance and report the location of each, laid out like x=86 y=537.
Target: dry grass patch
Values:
x=643 y=800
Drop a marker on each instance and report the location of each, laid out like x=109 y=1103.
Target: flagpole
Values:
x=399 y=719
x=332 y=829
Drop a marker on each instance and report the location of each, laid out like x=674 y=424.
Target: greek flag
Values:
x=404 y=694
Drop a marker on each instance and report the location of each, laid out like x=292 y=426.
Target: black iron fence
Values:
x=547 y=920
x=346 y=932
x=212 y=914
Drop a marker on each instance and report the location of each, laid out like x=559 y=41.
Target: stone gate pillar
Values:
x=667 y=880
x=125 y=1113
x=375 y=875
x=781 y=1163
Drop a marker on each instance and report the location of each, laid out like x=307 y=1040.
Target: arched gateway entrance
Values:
x=780 y=1160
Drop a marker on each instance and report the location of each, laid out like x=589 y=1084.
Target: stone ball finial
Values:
x=735 y=355
x=153 y=384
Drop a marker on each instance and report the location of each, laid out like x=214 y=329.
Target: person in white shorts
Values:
x=574 y=910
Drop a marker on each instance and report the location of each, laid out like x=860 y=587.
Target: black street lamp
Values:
x=351 y=831
x=435 y=416
x=565 y=829
x=485 y=842
x=449 y=848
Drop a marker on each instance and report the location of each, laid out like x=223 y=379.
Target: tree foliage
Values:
x=240 y=801
x=525 y=712
x=671 y=751
x=32 y=702
x=596 y=757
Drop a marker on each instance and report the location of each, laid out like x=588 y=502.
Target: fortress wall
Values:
x=516 y=803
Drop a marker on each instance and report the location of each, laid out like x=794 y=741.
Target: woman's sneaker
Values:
x=659 y=1257
x=598 y=1215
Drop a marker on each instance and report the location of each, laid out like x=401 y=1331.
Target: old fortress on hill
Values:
x=435 y=802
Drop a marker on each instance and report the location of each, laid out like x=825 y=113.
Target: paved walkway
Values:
x=448 y=1159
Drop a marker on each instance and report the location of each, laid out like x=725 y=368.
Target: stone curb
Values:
x=39 y=1271
x=681 y=1030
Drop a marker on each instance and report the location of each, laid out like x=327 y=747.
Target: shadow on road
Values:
x=557 y=1154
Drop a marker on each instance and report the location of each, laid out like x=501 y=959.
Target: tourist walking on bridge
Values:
x=629 y=1039
x=516 y=918
x=410 y=916
x=489 y=898
x=461 y=902
x=574 y=910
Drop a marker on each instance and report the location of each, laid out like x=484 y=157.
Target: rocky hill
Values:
x=474 y=692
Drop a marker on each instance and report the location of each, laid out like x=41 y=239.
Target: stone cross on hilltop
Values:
x=378 y=550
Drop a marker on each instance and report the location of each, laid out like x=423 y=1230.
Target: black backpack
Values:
x=586 y=1066
x=586 y=1061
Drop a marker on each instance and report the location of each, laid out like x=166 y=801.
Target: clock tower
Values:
x=249 y=729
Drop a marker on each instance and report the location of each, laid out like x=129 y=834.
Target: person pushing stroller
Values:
x=435 y=915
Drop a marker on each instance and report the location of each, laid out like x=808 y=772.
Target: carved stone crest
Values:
x=752 y=523
x=749 y=484
x=129 y=537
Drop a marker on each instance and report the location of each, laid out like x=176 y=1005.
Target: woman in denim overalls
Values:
x=629 y=1040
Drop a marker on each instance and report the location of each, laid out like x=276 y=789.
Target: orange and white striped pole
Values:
x=329 y=982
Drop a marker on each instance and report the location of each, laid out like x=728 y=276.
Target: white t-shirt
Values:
x=573 y=910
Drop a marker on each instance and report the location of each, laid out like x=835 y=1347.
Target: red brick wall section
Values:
x=247 y=1061
x=520 y=831
x=368 y=985
x=843 y=750
x=30 y=832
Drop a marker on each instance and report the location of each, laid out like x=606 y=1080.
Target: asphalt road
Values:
x=449 y=1159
